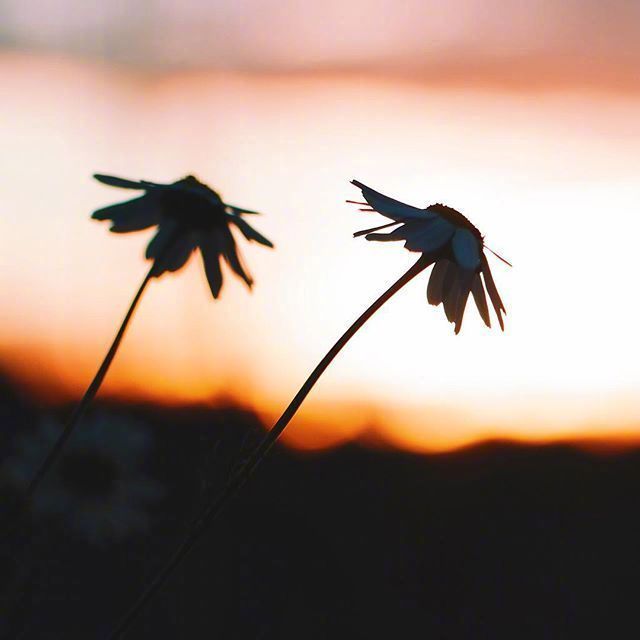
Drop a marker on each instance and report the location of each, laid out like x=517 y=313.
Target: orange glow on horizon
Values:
x=550 y=178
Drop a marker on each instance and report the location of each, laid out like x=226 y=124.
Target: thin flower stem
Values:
x=88 y=396
x=244 y=472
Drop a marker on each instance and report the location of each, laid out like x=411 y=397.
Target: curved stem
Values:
x=241 y=476
x=88 y=396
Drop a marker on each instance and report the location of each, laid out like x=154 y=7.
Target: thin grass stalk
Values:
x=88 y=396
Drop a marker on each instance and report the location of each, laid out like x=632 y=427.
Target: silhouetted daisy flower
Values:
x=189 y=215
x=447 y=240
x=442 y=236
x=98 y=489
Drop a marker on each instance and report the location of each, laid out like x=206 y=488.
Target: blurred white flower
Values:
x=189 y=215
x=449 y=241
x=98 y=489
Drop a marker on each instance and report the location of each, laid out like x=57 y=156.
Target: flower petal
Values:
x=364 y=232
x=492 y=289
x=396 y=234
x=248 y=231
x=466 y=249
x=232 y=257
x=477 y=288
x=449 y=277
x=389 y=207
x=240 y=210
x=210 y=249
x=160 y=245
x=132 y=215
x=436 y=281
x=123 y=183
x=465 y=280
x=177 y=253
x=429 y=235
x=451 y=292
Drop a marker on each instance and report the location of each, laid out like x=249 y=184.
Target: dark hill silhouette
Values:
x=495 y=541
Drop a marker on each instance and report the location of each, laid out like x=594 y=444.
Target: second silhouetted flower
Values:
x=449 y=241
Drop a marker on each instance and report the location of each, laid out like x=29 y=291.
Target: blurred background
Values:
x=524 y=116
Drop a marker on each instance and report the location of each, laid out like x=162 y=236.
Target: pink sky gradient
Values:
x=537 y=43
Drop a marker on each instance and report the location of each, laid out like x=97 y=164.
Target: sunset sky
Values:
x=525 y=118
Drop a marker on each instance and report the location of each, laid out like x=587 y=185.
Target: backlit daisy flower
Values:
x=98 y=490
x=448 y=241
x=189 y=215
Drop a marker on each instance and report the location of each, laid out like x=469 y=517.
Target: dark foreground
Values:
x=500 y=541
